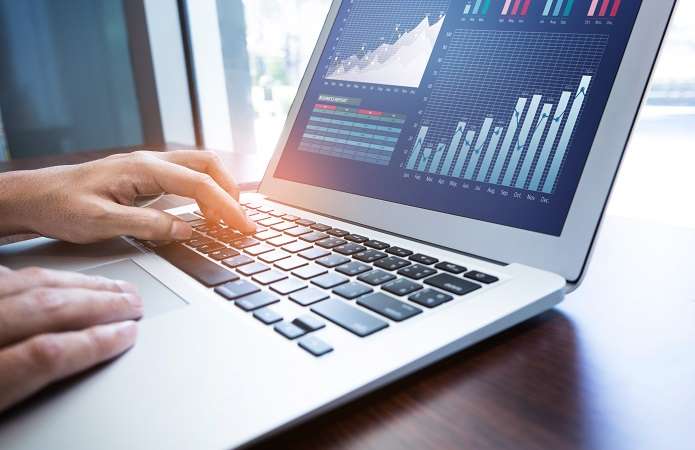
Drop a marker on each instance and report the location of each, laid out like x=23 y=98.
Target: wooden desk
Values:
x=613 y=367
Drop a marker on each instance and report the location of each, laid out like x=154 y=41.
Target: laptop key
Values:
x=252 y=269
x=276 y=213
x=314 y=345
x=417 y=271
x=330 y=242
x=331 y=261
x=290 y=217
x=267 y=234
x=314 y=253
x=392 y=263
x=313 y=236
x=349 y=249
x=283 y=226
x=234 y=290
x=265 y=209
x=223 y=253
x=288 y=286
x=481 y=277
x=352 y=290
x=274 y=256
x=309 y=322
x=258 y=217
x=424 y=259
x=356 y=238
x=211 y=247
x=188 y=217
x=378 y=245
x=267 y=316
x=281 y=241
x=269 y=222
x=244 y=243
x=329 y=280
x=297 y=247
x=310 y=271
x=298 y=231
x=291 y=263
x=198 y=267
x=452 y=284
x=376 y=277
x=259 y=249
x=370 y=256
x=304 y=222
x=269 y=277
x=320 y=227
x=388 y=306
x=353 y=268
x=199 y=242
x=349 y=317
x=289 y=330
x=337 y=232
x=309 y=296
x=401 y=287
x=430 y=298
x=257 y=300
x=237 y=261
x=450 y=267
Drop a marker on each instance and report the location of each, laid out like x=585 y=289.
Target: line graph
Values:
x=387 y=42
x=505 y=119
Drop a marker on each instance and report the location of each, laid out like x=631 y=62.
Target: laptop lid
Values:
x=492 y=127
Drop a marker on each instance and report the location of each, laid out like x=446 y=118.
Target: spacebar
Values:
x=195 y=265
x=349 y=317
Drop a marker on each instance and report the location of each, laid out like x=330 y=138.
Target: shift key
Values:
x=352 y=319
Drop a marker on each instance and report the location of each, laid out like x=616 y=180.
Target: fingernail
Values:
x=181 y=231
x=126 y=330
x=126 y=287
x=134 y=300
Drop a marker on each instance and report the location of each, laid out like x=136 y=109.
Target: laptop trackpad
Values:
x=158 y=298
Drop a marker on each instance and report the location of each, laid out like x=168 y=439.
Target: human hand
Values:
x=56 y=324
x=94 y=201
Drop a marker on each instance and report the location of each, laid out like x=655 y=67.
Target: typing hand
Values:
x=56 y=324
x=94 y=201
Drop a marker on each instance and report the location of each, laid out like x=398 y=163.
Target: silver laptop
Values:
x=441 y=177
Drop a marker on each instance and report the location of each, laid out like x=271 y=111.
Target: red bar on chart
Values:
x=604 y=8
x=592 y=8
x=515 y=10
x=616 y=7
x=505 y=10
x=524 y=10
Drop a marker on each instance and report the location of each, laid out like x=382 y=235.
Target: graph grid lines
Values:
x=517 y=106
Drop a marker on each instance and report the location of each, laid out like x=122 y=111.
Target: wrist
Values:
x=13 y=187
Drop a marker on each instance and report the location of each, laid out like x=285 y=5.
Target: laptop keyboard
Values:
x=350 y=280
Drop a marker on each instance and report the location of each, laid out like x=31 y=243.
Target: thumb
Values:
x=147 y=224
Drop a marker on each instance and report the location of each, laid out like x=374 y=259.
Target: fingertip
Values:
x=126 y=288
x=126 y=332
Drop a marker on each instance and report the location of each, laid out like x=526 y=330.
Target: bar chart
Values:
x=603 y=8
x=476 y=7
x=516 y=7
x=557 y=8
x=501 y=124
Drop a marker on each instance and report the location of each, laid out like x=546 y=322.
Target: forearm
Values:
x=13 y=210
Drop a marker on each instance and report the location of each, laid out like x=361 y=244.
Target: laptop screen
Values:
x=485 y=109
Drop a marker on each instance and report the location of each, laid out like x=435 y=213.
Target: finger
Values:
x=4 y=269
x=146 y=224
x=204 y=162
x=32 y=277
x=51 y=310
x=27 y=367
x=176 y=179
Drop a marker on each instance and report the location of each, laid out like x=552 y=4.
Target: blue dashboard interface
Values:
x=485 y=109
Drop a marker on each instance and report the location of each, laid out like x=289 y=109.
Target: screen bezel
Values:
x=567 y=254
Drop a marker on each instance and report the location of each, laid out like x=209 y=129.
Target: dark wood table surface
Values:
x=613 y=367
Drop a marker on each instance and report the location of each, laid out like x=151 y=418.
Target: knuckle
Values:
x=46 y=353
x=46 y=300
x=96 y=345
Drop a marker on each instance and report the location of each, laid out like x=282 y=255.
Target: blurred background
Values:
x=100 y=74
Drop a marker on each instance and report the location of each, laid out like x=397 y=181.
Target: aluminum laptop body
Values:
x=392 y=138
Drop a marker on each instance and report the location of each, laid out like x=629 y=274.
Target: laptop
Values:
x=441 y=177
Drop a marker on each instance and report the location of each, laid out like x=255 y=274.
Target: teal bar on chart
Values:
x=437 y=158
x=550 y=140
x=518 y=149
x=568 y=8
x=477 y=6
x=426 y=154
x=548 y=6
x=558 y=8
x=465 y=151
x=478 y=149
x=486 y=7
x=508 y=138
x=419 y=141
x=451 y=152
x=490 y=153
x=467 y=9
x=567 y=133
x=533 y=147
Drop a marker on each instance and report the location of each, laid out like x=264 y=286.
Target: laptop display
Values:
x=485 y=109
